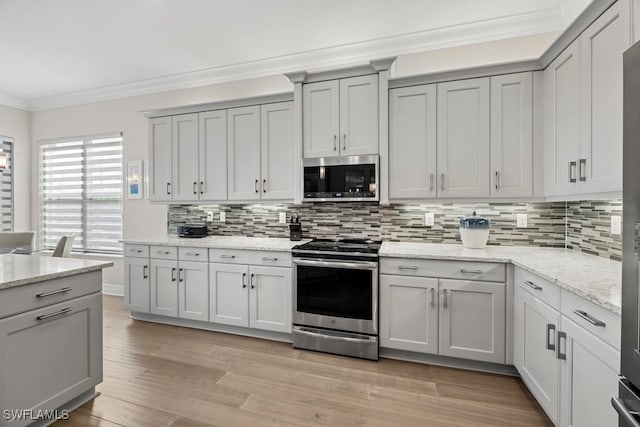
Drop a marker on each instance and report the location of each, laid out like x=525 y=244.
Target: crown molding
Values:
x=14 y=102
x=323 y=59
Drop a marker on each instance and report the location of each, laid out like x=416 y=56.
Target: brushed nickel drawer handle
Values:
x=532 y=285
x=266 y=258
x=562 y=336
x=589 y=318
x=48 y=294
x=468 y=271
x=50 y=315
x=407 y=267
x=163 y=252
x=227 y=256
x=192 y=254
x=551 y=328
x=139 y=251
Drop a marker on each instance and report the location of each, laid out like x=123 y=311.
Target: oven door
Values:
x=340 y=295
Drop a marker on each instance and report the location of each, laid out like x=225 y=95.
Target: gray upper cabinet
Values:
x=213 y=155
x=463 y=138
x=277 y=151
x=184 y=157
x=412 y=142
x=340 y=117
x=512 y=135
x=160 y=158
x=601 y=49
x=243 y=153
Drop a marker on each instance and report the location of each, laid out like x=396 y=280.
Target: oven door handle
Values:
x=354 y=265
x=333 y=337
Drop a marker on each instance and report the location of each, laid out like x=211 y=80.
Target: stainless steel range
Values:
x=335 y=297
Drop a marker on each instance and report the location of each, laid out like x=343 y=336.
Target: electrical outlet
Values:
x=521 y=220
x=223 y=217
x=429 y=219
x=282 y=218
x=616 y=225
x=210 y=216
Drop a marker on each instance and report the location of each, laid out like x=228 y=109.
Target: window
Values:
x=81 y=193
x=6 y=186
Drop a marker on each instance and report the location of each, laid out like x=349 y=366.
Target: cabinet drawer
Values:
x=236 y=256
x=136 y=251
x=193 y=254
x=597 y=320
x=466 y=270
x=538 y=287
x=164 y=252
x=30 y=297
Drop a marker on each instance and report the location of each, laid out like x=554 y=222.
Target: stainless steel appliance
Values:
x=628 y=401
x=347 y=179
x=335 y=297
x=192 y=230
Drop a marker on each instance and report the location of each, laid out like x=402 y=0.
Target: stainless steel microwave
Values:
x=347 y=179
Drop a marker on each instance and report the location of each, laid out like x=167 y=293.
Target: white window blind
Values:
x=81 y=193
x=6 y=187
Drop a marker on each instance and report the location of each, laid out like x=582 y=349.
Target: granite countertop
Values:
x=594 y=278
x=17 y=270
x=224 y=242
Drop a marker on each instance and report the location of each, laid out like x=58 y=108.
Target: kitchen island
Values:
x=50 y=336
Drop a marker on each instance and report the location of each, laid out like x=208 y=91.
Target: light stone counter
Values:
x=594 y=278
x=224 y=242
x=17 y=270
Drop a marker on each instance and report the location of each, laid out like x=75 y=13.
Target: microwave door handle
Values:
x=356 y=265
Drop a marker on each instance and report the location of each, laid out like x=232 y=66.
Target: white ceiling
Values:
x=64 y=51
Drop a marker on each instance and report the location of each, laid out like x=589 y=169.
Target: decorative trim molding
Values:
x=13 y=102
x=323 y=59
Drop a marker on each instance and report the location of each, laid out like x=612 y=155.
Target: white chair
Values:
x=19 y=240
x=63 y=248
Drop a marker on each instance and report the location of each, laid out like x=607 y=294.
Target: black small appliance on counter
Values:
x=295 y=229
x=191 y=230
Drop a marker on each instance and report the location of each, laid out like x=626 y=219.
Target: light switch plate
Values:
x=616 y=225
x=282 y=217
x=223 y=217
x=429 y=219
x=521 y=220
x=210 y=216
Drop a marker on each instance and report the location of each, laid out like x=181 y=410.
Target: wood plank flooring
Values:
x=159 y=375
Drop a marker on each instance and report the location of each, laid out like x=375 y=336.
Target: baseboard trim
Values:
x=111 y=289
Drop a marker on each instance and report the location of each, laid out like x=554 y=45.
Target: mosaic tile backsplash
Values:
x=582 y=225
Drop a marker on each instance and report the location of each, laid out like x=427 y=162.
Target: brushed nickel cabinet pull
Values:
x=433 y=297
x=48 y=294
x=255 y=186
x=582 y=169
x=572 y=171
x=192 y=254
x=168 y=188
x=497 y=180
x=264 y=185
x=469 y=271
x=335 y=147
x=266 y=258
x=195 y=185
x=251 y=281
x=173 y=274
x=201 y=187
x=532 y=285
x=180 y=278
x=551 y=328
x=431 y=182
x=407 y=267
x=442 y=181
x=145 y=273
x=589 y=318
x=50 y=315
x=562 y=336
x=344 y=141
x=446 y=304
x=244 y=284
x=227 y=256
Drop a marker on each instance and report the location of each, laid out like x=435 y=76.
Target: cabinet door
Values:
x=270 y=298
x=136 y=284
x=276 y=140
x=213 y=155
x=562 y=122
x=228 y=294
x=185 y=157
x=589 y=378
x=512 y=135
x=164 y=287
x=321 y=118
x=602 y=46
x=46 y=363
x=409 y=313
x=472 y=320
x=359 y=115
x=160 y=158
x=412 y=145
x=243 y=153
x=534 y=352
x=463 y=138
x=193 y=290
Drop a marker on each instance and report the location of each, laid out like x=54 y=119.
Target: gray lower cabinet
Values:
x=136 y=284
x=228 y=300
x=443 y=315
x=50 y=355
x=164 y=287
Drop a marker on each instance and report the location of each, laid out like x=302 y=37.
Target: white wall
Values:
x=16 y=124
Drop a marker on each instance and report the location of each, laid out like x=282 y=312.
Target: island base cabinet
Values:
x=535 y=350
x=136 y=284
x=589 y=377
x=270 y=298
x=55 y=355
x=472 y=320
x=409 y=313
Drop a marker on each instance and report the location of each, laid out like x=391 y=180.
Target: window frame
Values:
x=10 y=141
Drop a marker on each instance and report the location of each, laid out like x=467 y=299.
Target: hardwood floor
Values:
x=159 y=375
